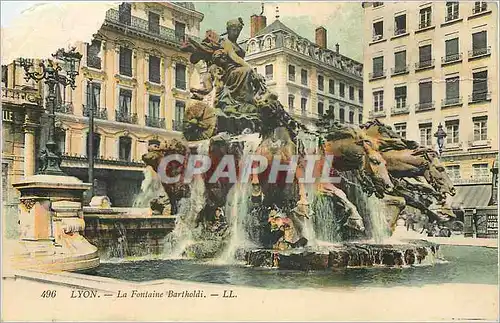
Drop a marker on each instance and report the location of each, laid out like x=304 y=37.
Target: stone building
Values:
x=431 y=63
x=141 y=83
x=309 y=78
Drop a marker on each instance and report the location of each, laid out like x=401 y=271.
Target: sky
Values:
x=341 y=19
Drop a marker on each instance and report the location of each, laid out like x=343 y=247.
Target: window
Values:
x=452 y=132
x=5 y=75
x=125 y=61
x=351 y=117
x=400 y=129
x=269 y=71
x=360 y=95
x=291 y=73
x=331 y=86
x=400 y=97
x=360 y=118
x=342 y=89
x=303 y=77
x=480 y=86
x=180 y=31
x=378 y=30
x=400 y=62
x=451 y=11
x=97 y=96
x=125 y=13
x=452 y=90
x=377 y=4
x=400 y=25
x=425 y=17
x=480 y=172
x=154 y=69
x=125 y=104
x=154 y=22
x=480 y=128
x=378 y=101
x=425 y=92
x=331 y=110
x=351 y=93
x=321 y=85
x=452 y=50
x=426 y=134
x=291 y=100
x=320 y=108
x=124 y=148
x=479 y=6
x=453 y=171
x=479 y=44
x=180 y=106
x=378 y=66
x=180 y=76
x=342 y=115
x=93 y=51
x=303 y=106
x=153 y=108
x=95 y=145
x=425 y=56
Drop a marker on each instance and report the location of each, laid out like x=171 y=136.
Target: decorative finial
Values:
x=277 y=12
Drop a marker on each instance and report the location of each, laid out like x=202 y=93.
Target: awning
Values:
x=470 y=196
x=44 y=28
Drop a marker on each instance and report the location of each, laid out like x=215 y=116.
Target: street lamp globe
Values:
x=440 y=135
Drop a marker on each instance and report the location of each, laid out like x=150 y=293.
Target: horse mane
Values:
x=339 y=132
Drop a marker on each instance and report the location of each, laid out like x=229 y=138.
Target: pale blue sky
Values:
x=341 y=19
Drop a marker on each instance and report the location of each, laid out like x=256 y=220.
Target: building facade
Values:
x=432 y=63
x=140 y=82
x=308 y=78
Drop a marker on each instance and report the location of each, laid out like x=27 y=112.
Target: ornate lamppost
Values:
x=49 y=71
x=440 y=135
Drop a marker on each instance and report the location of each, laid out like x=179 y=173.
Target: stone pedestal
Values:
x=51 y=225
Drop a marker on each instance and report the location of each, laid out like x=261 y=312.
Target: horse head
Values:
x=376 y=168
x=436 y=175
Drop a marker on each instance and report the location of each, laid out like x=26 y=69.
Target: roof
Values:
x=469 y=196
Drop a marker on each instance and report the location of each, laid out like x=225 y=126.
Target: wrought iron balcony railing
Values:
x=376 y=74
x=480 y=6
x=451 y=101
x=177 y=125
x=450 y=58
x=424 y=64
x=479 y=96
x=480 y=52
x=423 y=106
x=99 y=113
x=399 y=70
x=65 y=107
x=19 y=96
x=126 y=117
x=94 y=62
x=155 y=122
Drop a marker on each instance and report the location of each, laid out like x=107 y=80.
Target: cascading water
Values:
x=151 y=188
x=377 y=212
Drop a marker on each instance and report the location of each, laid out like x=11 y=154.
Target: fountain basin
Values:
x=356 y=254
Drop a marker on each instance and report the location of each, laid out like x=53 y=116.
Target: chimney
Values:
x=321 y=37
x=257 y=23
x=337 y=48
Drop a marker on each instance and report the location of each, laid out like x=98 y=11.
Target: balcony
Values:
x=476 y=180
x=69 y=160
x=20 y=96
x=479 y=143
x=424 y=106
x=377 y=114
x=99 y=113
x=376 y=75
x=400 y=108
x=142 y=27
x=423 y=65
x=479 y=96
x=400 y=70
x=177 y=125
x=94 y=62
x=126 y=117
x=479 y=52
x=451 y=59
x=66 y=107
x=449 y=102
x=155 y=122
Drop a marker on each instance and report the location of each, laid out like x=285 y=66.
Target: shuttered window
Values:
x=331 y=86
x=479 y=40
x=452 y=88
x=425 y=54
x=125 y=61
x=154 y=69
x=342 y=89
x=479 y=86
x=180 y=76
x=321 y=82
x=452 y=49
x=425 y=92
x=400 y=61
x=378 y=65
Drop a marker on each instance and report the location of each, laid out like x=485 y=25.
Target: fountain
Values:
x=251 y=184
